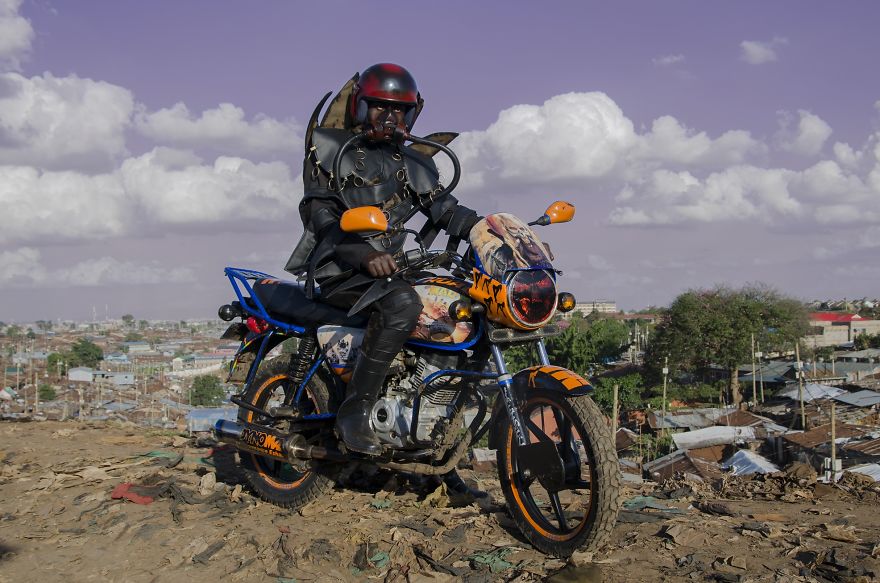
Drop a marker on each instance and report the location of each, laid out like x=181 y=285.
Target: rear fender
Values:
x=251 y=353
x=548 y=378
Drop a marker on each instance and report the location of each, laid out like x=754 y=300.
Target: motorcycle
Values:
x=556 y=459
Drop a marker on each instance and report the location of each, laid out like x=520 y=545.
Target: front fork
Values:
x=505 y=384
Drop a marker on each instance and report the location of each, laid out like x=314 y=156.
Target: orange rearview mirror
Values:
x=560 y=212
x=363 y=219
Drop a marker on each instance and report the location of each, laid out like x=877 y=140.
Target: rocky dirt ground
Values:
x=59 y=521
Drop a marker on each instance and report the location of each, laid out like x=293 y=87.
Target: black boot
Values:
x=353 y=416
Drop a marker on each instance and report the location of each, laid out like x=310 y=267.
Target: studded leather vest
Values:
x=391 y=177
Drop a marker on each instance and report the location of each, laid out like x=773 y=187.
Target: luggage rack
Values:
x=240 y=278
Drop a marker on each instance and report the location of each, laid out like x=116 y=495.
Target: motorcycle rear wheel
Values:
x=279 y=482
x=581 y=515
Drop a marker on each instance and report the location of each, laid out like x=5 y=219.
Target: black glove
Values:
x=379 y=264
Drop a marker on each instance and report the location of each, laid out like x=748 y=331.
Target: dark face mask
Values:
x=386 y=122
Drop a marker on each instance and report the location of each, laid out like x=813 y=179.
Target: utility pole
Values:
x=800 y=376
x=754 y=373
x=760 y=356
x=665 y=374
x=833 y=445
x=616 y=411
x=36 y=389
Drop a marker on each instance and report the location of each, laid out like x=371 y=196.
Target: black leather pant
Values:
x=392 y=318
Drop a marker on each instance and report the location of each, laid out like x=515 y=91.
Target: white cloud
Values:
x=16 y=34
x=846 y=156
x=587 y=136
x=737 y=193
x=759 y=52
x=62 y=123
x=668 y=60
x=161 y=187
x=870 y=237
x=40 y=205
x=670 y=141
x=172 y=188
x=807 y=138
x=223 y=127
x=23 y=268
x=570 y=135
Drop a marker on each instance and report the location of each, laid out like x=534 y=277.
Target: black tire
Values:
x=596 y=476
x=278 y=482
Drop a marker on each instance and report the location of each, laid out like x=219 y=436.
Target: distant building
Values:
x=137 y=347
x=587 y=308
x=26 y=357
x=837 y=328
x=81 y=374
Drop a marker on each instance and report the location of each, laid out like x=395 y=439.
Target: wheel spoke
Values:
x=557 y=510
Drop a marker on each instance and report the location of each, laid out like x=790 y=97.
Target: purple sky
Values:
x=146 y=145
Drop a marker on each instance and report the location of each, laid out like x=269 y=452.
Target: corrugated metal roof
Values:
x=863 y=398
x=745 y=462
x=868 y=446
x=822 y=434
x=812 y=392
x=833 y=317
x=687 y=418
x=716 y=435
x=872 y=470
x=746 y=419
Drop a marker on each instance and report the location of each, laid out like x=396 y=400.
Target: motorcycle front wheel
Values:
x=275 y=481
x=580 y=514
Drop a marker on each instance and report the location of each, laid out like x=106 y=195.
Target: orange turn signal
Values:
x=566 y=302
x=363 y=219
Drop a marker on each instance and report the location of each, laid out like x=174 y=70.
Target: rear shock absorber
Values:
x=299 y=362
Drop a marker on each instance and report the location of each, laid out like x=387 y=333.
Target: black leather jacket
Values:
x=395 y=178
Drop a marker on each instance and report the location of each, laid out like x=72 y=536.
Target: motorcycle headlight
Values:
x=531 y=295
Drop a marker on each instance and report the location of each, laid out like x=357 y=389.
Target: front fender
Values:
x=547 y=378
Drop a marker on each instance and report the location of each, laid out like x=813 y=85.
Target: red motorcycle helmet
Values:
x=385 y=82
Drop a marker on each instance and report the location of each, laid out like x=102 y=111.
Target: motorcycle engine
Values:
x=392 y=414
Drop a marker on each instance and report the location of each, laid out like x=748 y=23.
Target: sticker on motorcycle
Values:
x=340 y=344
x=502 y=242
x=435 y=324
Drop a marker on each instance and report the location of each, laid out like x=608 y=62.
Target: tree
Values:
x=629 y=392
x=13 y=332
x=84 y=353
x=207 y=391
x=47 y=393
x=44 y=325
x=715 y=327
x=54 y=362
x=864 y=341
x=127 y=319
x=31 y=334
x=133 y=337
x=587 y=341
x=143 y=324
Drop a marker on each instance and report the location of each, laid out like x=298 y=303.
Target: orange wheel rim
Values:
x=524 y=506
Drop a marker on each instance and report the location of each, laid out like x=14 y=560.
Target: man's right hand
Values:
x=379 y=264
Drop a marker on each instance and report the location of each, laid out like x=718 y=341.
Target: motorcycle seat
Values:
x=287 y=302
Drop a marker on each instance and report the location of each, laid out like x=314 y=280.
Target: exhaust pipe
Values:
x=269 y=443
x=252 y=438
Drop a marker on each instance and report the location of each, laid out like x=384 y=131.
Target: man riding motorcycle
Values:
x=382 y=172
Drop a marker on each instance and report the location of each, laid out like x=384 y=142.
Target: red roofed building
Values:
x=836 y=328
